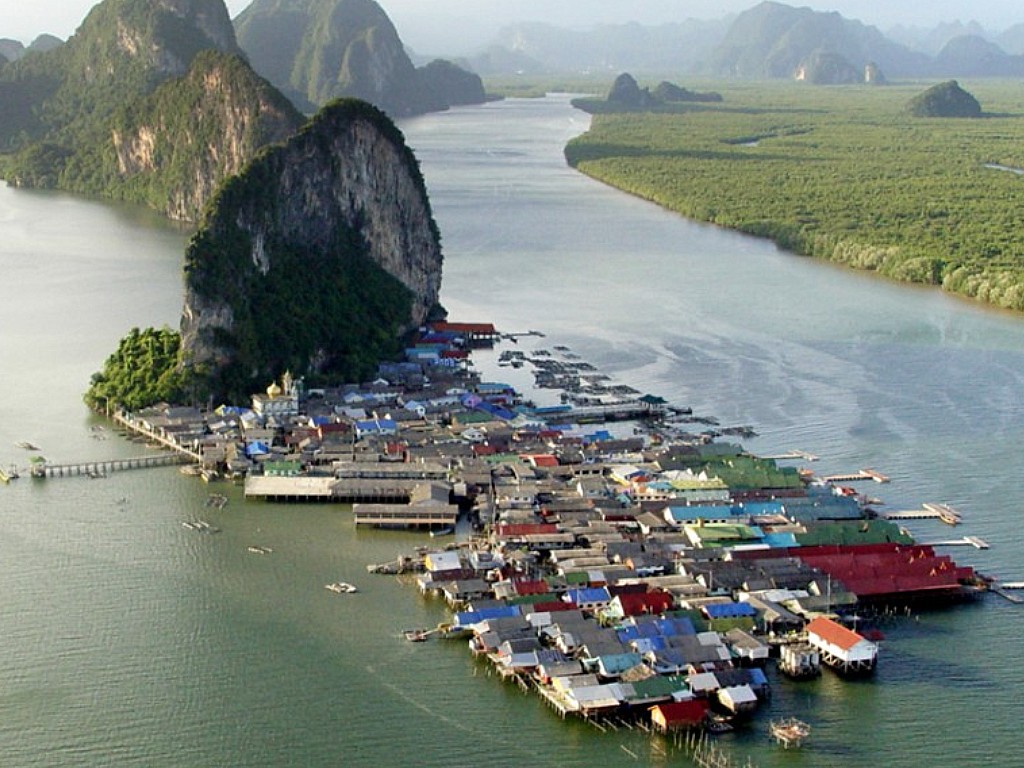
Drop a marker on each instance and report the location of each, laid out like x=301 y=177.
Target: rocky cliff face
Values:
x=195 y=131
x=158 y=38
x=301 y=258
x=149 y=101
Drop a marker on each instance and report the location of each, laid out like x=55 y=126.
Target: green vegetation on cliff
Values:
x=148 y=102
x=626 y=95
x=944 y=100
x=143 y=371
x=846 y=175
x=300 y=260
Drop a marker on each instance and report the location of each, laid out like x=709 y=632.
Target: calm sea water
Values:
x=128 y=639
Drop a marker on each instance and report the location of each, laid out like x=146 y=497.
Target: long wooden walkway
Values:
x=135 y=427
x=179 y=454
x=102 y=468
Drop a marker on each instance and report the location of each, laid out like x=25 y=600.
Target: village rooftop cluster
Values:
x=651 y=574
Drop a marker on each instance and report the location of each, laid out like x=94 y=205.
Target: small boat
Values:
x=26 y=445
x=201 y=526
x=257 y=549
x=341 y=587
x=448 y=530
x=416 y=635
x=717 y=724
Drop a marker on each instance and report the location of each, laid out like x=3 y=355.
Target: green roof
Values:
x=846 y=532
x=658 y=685
x=724 y=532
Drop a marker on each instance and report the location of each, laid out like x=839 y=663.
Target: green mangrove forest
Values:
x=846 y=173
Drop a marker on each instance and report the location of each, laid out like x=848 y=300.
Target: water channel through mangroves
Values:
x=130 y=640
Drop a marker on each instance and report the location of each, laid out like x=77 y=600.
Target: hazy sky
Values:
x=422 y=22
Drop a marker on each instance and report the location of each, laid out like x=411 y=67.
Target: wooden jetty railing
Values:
x=179 y=454
x=863 y=474
x=101 y=468
x=133 y=426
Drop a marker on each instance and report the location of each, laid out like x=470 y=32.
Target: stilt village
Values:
x=625 y=560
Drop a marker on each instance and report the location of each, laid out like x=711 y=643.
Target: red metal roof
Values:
x=834 y=633
x=677 y=713
x=526 y=529
x=636 y=604
x=540 y=459
x=530 y=587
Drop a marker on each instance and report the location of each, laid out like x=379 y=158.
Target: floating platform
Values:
x=789 y=732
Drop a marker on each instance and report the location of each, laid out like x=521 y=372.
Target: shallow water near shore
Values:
x=132 y=640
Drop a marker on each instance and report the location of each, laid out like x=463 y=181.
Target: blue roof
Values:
x=823 y=507
x=674 y=627
x=729 y=610
x=551 y=409
x=646 y=644
x=757 y=676
x=469 y=618
x=705 y=512
x=628 y=633
x=588 y=595
x=781 y=540
x=762 y=507
x=256 y=448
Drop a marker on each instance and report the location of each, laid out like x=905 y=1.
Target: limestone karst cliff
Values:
x=316 y=258
x=149 y=101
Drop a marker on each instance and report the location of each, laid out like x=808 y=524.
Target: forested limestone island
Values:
x=317 y=259
x=318 y=50
x=626 y=95
x=945 y=100
x=316 y=248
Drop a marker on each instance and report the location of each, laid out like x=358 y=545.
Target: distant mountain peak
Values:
x=319 y=50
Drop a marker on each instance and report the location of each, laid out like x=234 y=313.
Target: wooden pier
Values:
x=129 y=423
x=852 y=477
x=928 y=511
x=792 y=455
x=966 y=541
x=96 y=469
x=1003 y=591
x=179 y=454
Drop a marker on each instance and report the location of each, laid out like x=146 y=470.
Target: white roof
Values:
x=443 y=561
x=738 y=694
